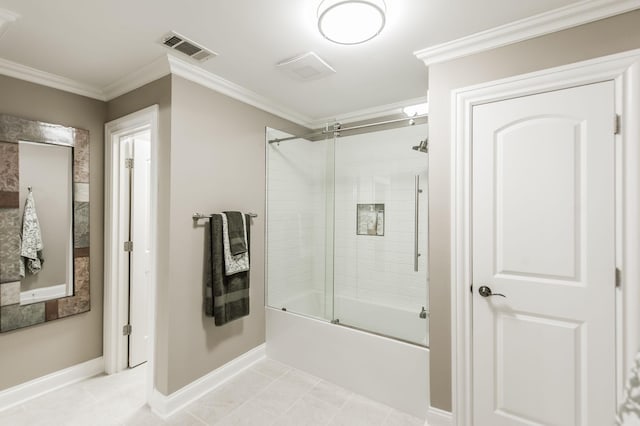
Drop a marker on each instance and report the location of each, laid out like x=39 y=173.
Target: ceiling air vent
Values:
x=307 y=66
x=175 y=41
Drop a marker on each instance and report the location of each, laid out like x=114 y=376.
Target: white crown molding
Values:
x=209 y=80
x=23 y=72
x=148 y=73
x=548 y=22
x=45 y=384
x=165 y=405
x=369 y=113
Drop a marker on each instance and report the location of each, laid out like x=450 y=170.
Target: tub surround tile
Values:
x=9 y=167
x=17 y=316
x=10 y=293
x=9 y=245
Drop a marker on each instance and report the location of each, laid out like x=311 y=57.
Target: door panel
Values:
x=140 y=256
x=543 y=235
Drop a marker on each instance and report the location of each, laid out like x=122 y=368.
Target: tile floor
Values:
x=268 y=393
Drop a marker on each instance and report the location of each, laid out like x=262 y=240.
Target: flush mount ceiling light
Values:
x=351 y=21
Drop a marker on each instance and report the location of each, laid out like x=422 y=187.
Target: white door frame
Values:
x=624 y=70
x=115 y=278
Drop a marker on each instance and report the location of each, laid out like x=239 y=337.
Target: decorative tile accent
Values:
x=14 y=129
x=80 y=225
x=80 y=301
x=10 y=293
x=51 y=310
x=9 y=167
x=81 y=252
x=81 y=157
x=81 y=192
x=9 y=200
x=16 y=316
x=9 y=245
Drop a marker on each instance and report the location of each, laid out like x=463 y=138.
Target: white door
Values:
x=140 y=261
x=543 y=235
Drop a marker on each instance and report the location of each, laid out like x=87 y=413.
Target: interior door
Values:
x=139 y=285
x=543 y=236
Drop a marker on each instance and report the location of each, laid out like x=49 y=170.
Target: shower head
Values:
x=423 y=146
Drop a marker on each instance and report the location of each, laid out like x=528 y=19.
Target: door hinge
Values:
x=126 y=330
x=618 y=277
x=128 y=163
x=616 y=124
x=471 y=288
x=128 y=246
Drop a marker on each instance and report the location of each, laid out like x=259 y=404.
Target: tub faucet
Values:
x=423 y=313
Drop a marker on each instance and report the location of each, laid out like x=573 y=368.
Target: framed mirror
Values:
x=44 y=222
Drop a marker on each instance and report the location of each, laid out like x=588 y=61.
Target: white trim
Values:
x=624 y=70
x=34 y=388
x=369 y=113
x=166 y=405
x=23 y=72
x=114 y=292
x=438 y=417
x=145 y=75
x=211 y=81
x=534 y=26
x=44 y=293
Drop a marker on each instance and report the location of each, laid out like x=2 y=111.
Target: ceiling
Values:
x=98 y=42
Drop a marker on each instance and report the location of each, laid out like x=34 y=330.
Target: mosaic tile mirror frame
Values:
x=14 y=130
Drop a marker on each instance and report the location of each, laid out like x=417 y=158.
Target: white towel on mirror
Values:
x=238 y=263
x=32 y=246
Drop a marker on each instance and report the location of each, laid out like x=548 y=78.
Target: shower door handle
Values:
x=416 y=254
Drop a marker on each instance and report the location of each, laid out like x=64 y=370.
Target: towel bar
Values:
x=198 y=216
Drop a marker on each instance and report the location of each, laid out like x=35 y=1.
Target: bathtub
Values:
x=384 y=369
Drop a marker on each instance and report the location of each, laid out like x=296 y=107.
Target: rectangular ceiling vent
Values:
x=180 y=43
x=305 y=67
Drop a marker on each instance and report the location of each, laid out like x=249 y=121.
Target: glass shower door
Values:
x=299 y=221
x=380 y=234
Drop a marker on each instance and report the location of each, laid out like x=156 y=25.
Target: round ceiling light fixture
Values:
x=351 y=21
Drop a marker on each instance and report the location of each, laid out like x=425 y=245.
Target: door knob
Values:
x=486 y=292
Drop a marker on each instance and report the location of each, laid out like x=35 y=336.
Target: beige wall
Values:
x=600 y=38
x=217 y=163
x=32 y=352
x=156 y=93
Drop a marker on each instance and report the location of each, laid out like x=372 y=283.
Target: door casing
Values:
x=115 y=309
x=624 y=70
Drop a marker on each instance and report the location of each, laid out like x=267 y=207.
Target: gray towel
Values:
x=32 y=246
x=236 y=233
x=227 y=296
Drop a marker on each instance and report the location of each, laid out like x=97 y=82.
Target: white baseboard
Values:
x=166 y=405
x=438 y=417
x=45 y=384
